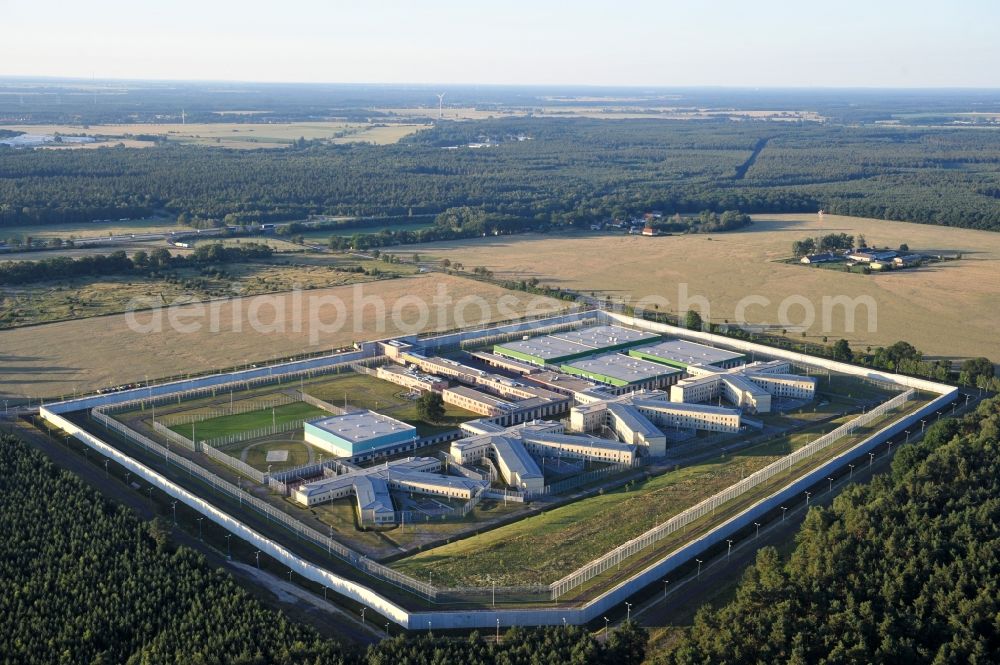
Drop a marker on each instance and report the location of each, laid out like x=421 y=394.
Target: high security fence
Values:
x=709 y=505
x=359 y=561
x=236 y=409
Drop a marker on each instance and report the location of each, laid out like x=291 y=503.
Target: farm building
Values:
x=827 y=257
x=359 y=434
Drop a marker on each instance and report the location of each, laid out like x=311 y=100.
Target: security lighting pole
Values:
x=665 y=583
x=628 y=612
x=698 y=575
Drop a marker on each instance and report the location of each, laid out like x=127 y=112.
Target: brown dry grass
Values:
x=949 y=309
x=60 y=358
x=232 y=135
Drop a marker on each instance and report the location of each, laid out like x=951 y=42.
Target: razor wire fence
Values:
x=709 y=505
x=236 y=409
x=269 y=512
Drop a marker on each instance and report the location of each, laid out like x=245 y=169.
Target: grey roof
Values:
x=361 y=425
x=516 y=457
x=633 y=419
x=601 y=337
x=569 y=439
x=622 y=367
x=689 y=353
x=656 y=405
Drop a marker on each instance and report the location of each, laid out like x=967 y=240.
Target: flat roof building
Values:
x=681 y=353
x=617 y=369
x=358 y=433
x=563 y=347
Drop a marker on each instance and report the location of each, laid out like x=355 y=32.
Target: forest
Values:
x=536 y=172
x=118 y=263
x=901 y=570
x=85 y=581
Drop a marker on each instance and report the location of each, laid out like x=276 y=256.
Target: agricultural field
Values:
x=229 y=135
x=946 y=310
x=92 y=229
x=82 y=355
x=85 y=297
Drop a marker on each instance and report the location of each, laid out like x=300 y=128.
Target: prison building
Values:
x=547 y=444
x=477 y=401
x=371 y=486
x=360 y=435
x=509 y=364
x=681 y=353
x=445 y=367
x=750 y=387
x=790 y=386
x=626 y=422
x=621 y=371
x=690 y=416
x=411 y=379
x=516 y=466
x=395 y=348
x=564 y=384
x=564 y=347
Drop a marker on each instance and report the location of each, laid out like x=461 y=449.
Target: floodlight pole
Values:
x=628 y=612
x=363 y=615
x=729 y=552
x=606 y=622
x=698 y=575
x=498 y=630
x=871 y=459
x=665 y=583
x=831 y=484
x=851 y=467
x=784 y=509
x=229 y=547
x=257 y=553
x=808 y=494
x=757 y=535
x=199 y=520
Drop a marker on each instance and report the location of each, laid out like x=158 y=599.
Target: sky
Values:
x=748 y=43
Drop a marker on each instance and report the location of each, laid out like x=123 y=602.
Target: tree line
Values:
x=118 y=263
x=901 y=570
x=85 y=581
x=572 y=172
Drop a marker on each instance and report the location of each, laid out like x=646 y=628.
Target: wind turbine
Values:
x=441 y=105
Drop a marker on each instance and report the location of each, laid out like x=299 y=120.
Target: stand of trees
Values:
x=827 y=243
x=902 y=570
x=572 y=172
x=118 y=263
x=85 y=581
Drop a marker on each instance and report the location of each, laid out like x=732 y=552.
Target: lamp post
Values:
x=851 y=467
x=199 y=520
x=698 y=575
x=784 y=509
x=808 y=494
x=871 y=459
x=174 y=505
x=830 y=489
x=606 y=622
x=498 y=630
x=907 y=436
x=363 y=615
x=229 y=547
x=729 y=552
x=106 y=469
x=665 y=583
x=628 y=612
x=757 y=534
x=257 y=553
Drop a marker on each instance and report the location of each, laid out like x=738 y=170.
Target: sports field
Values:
x=60 y=358
x=368 y=392
x=245 y=422
x=945 y=309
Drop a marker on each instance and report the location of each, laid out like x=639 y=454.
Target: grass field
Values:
x=299 y=453
x=367 y=392
x=60 y=358
x=244 y=422
x=946 y=309
x=543 y=548
x=232 y=134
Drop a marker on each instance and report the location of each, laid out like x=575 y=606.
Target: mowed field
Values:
x=949 y=309
x=60 y=358
x=230 y=134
